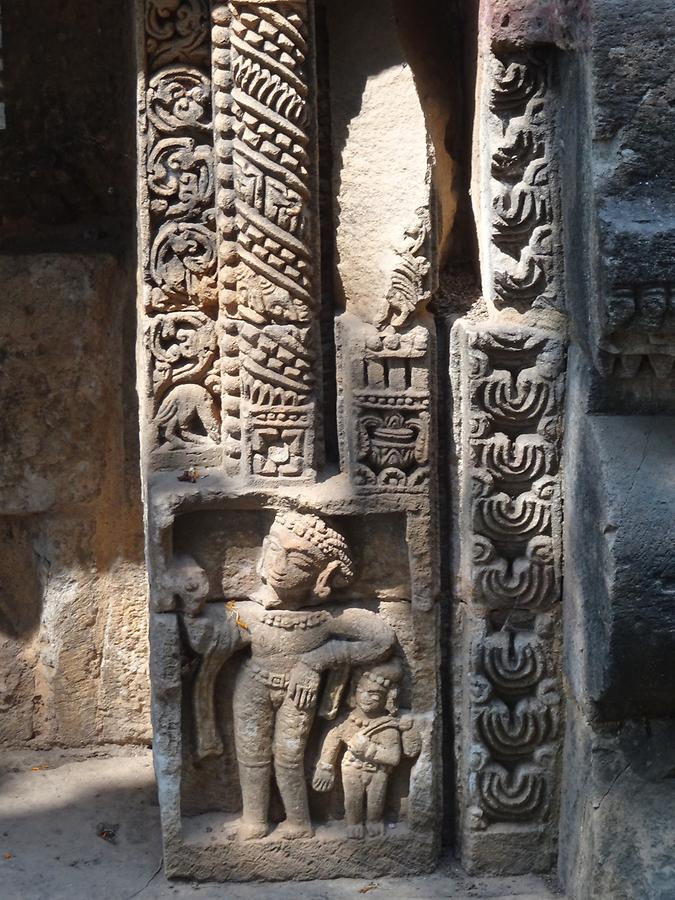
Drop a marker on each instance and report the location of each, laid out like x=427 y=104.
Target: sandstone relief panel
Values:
x=636 y=325
x=294 y=625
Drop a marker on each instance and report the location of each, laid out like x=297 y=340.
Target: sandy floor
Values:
x=77 y=827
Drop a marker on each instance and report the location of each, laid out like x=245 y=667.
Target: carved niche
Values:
x=293 y=623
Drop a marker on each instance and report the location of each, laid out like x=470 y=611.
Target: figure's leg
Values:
x=376 y=792
x=253 y=724
x=290 y=740
x=352 y=785
x=209 y=420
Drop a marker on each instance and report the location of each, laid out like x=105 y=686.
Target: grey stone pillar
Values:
x=619 y=177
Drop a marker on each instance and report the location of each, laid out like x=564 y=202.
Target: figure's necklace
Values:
x=295 y=619
x=360 y=722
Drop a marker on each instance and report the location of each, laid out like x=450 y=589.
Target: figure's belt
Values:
x=350 y=760
x=270 y=679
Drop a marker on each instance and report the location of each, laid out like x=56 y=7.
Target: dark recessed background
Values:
x=67 y=153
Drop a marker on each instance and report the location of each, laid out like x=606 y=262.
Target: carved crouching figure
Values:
x=293 y=639
x=374 y=738
x=186 y=410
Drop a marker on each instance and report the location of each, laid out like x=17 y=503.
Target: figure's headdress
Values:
x=387 y=675
x=329 y=543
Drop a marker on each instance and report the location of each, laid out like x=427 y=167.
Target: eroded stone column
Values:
x=508 y=363
x=294 y=626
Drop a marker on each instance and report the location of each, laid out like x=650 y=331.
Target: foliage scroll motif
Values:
x=178 y=229
x=176 y=31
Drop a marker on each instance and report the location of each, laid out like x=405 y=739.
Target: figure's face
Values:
x=286 y=565
x=371 y=697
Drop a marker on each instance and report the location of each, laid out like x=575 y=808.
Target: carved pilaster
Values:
x=275 y=307
x=635 y=321
x=293 y=623
x=509 y=383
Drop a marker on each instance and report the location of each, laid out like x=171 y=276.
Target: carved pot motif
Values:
x=392 y=442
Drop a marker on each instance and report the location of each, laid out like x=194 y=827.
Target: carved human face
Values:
x=288 y=566
x=371 y=697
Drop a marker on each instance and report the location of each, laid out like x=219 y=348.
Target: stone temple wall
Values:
x=73 y=620
x=337 y=369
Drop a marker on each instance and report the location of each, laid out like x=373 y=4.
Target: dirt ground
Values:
x=77 y=826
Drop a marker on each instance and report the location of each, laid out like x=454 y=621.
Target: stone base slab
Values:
x=508 y=851
x=214 y=855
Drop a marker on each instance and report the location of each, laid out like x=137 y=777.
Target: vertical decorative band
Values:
x=273 y=316
x=524 y=256
x=509 y=431
x=177 y=235
x=227 y=222
x=508 y=385
x=227 y=234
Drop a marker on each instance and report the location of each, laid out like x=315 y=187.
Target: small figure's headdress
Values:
x=387 y=675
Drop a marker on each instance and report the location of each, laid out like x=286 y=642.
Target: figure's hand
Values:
x=303 y=685
x=359 y=745
x=324 y=777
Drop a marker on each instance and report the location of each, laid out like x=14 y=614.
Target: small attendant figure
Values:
x=374 y=737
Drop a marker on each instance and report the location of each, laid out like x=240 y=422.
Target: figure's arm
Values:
x=215 y=636
x=324 y=773
x=358 y=637
x=385 y=750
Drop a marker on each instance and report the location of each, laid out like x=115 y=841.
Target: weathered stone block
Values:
x=616 y=823
x=620 y=571
x=72 y=603
x=60 y=375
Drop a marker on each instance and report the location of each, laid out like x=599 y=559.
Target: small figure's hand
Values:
x=359 y=745
x=324 y=777
x=303 y=685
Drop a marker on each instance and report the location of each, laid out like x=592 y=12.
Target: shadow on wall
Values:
x=73 y=666
x=381 y=40
x=72 y=578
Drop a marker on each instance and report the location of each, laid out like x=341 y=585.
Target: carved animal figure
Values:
x=188 y=416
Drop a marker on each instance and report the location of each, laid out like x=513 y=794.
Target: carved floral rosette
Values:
x=508 y=425
x=522 y=260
